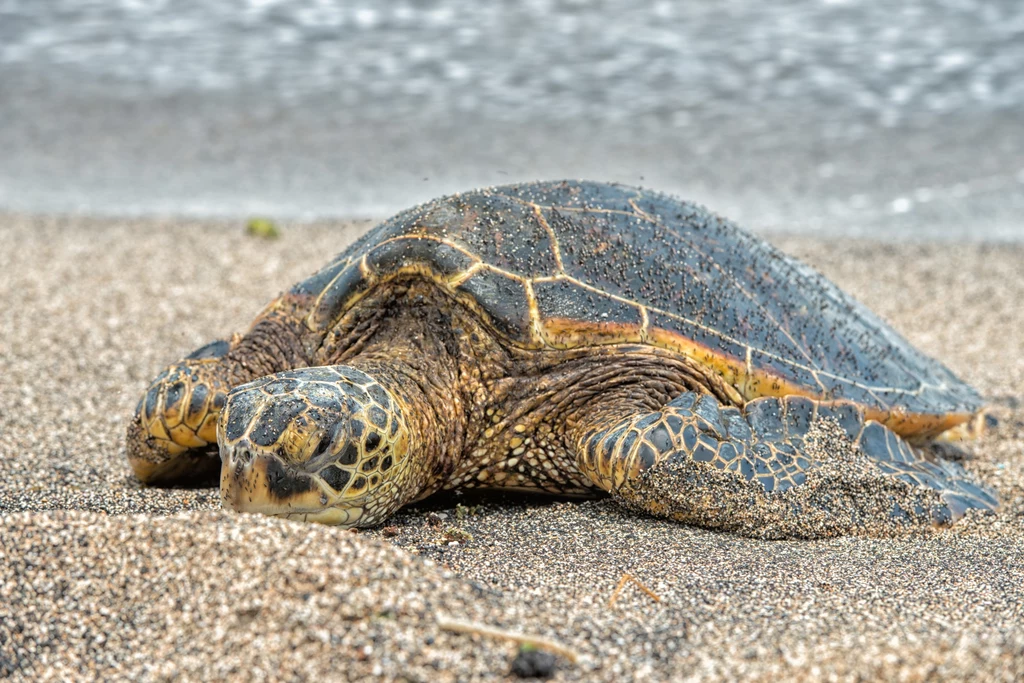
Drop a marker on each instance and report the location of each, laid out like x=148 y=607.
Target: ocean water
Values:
x=836 y=116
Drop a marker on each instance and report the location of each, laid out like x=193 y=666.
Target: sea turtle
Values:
x=570 y=337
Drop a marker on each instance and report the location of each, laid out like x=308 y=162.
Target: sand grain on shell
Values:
x=102 y=578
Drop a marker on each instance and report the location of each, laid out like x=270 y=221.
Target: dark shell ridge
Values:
x=570 y=263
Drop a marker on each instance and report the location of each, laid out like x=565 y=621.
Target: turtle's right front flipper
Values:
x=752 y=470
x=173 y=435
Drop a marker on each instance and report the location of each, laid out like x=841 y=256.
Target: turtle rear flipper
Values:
x=780 y=467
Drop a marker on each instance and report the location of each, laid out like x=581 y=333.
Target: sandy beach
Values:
x=101 y=578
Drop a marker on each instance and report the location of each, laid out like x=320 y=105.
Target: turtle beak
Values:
x=251 y=481
x=261 y=482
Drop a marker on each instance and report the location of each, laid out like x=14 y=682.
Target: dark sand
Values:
x=100 y=578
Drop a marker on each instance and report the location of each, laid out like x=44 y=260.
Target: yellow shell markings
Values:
x=555 y=248
x=739 y=373
x=562 y=333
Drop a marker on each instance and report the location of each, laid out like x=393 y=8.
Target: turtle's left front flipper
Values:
x=780 y=467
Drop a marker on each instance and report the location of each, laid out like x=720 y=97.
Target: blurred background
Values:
x=897 y=120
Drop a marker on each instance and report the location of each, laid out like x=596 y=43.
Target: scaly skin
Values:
x=348 y=444
x=327 y=444
x=427 y=398
x=444 y=409
x=489 y=338
x=761 y=454
x=173 y=435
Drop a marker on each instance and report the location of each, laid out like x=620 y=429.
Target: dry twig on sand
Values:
x=539 y=642
x=626 y=576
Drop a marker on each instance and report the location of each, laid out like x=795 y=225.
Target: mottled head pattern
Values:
x=177 y=416
x=325 y=444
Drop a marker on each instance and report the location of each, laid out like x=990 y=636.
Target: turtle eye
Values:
x=322 y=447
x=328 y=440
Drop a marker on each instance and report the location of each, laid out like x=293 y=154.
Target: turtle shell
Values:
x=568 y=264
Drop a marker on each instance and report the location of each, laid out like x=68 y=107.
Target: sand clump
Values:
x=103 y=579
x=845 y=494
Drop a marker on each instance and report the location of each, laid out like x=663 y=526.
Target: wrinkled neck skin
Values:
x=408 y=344
x=462 y=389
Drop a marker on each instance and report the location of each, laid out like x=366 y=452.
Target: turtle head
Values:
x=324 y=444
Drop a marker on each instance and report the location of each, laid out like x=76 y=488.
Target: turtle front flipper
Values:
x=779 y=468
x=173 y=435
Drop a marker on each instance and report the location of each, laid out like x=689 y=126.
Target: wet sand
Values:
x=102 y=578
